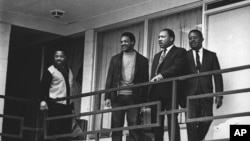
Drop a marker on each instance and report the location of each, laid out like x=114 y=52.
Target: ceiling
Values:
x=31 y=14
x=82 y=15
x=75 y=10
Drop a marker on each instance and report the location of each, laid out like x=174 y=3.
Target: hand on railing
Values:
x=143 y=109
x=108 y=102
x=156 y=78
x=218 y=101
x=43 y=106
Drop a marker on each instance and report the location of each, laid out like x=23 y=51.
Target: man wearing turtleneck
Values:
x=126 y=68
x=201 y=60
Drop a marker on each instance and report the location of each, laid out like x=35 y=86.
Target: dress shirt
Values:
x=200 y=54
x=163 y=54
x=168 y=49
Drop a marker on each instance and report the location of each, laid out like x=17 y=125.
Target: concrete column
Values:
x=88 y=74
x=4 y=51
x=145 y=38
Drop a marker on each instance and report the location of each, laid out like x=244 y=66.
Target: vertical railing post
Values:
x=44 y=122
x=188 y=113
x=174 y=104
x=37 y=126
x=21 y=127
x=97 y=137
x=158 y=116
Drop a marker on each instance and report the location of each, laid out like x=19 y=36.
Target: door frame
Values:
x=207 y=13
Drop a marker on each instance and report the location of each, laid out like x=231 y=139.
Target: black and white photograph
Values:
x=124 y=70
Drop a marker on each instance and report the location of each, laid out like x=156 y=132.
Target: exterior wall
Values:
x=4 y=51
x=137 y=12
x=88 y=74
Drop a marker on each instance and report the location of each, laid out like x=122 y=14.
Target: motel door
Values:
x=228 y=34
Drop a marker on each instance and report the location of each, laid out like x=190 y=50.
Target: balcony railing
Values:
x=174 y=110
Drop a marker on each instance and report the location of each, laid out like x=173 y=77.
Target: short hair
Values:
x=170 y=33
x=62 y=50
x=196 y=31
x=130 y=35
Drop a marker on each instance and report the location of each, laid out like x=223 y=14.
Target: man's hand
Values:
x=43 y=106
x=156 y=78
x=218 y=101
x=108 y=102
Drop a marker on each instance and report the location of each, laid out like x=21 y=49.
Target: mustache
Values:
x=123 y=45
x=58 y=61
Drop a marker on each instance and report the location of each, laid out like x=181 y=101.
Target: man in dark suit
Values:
x=170 y=62
x=125 y=69
x=201 y=60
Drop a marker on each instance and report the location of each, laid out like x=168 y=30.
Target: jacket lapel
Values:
x=204 y=59
x=168 y=55
x=137 y=62
x=119 y=62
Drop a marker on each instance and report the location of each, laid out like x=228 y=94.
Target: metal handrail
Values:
x=174 y=110
x=184 y=77
x=159 y=113
x=157 y=103
x=17 y=99
x=188 y=119
x=20 y=135
x=21 y=125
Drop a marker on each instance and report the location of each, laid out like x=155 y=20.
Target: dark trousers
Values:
x=199 y=108
x=159 y=131
x=119 y=116
x=59 y=126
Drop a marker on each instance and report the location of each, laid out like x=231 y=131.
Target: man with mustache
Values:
x=126 y=68
x=56 y=83
x=170 y=62
x=201 y=60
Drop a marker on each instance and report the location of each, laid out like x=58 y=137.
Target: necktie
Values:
x=163 y=55
x=198 y=63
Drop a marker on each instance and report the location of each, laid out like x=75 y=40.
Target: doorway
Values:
x=228 y=36
x=23 y=77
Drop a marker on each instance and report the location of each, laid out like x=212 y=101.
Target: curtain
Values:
x=75 y=49
x=108 y=44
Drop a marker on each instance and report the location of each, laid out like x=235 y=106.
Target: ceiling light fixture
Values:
x=57 y=13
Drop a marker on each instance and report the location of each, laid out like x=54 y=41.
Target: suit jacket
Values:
x=115 y=75
x=173 y=65
x=209 y=63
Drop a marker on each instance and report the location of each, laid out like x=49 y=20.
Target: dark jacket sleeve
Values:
x=178 y=67
x=45 y=85
x=145 y=79
x=218 y=81
x=109 y=79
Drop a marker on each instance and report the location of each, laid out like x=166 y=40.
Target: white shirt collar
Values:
x=200 y=54
x=169 y=48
